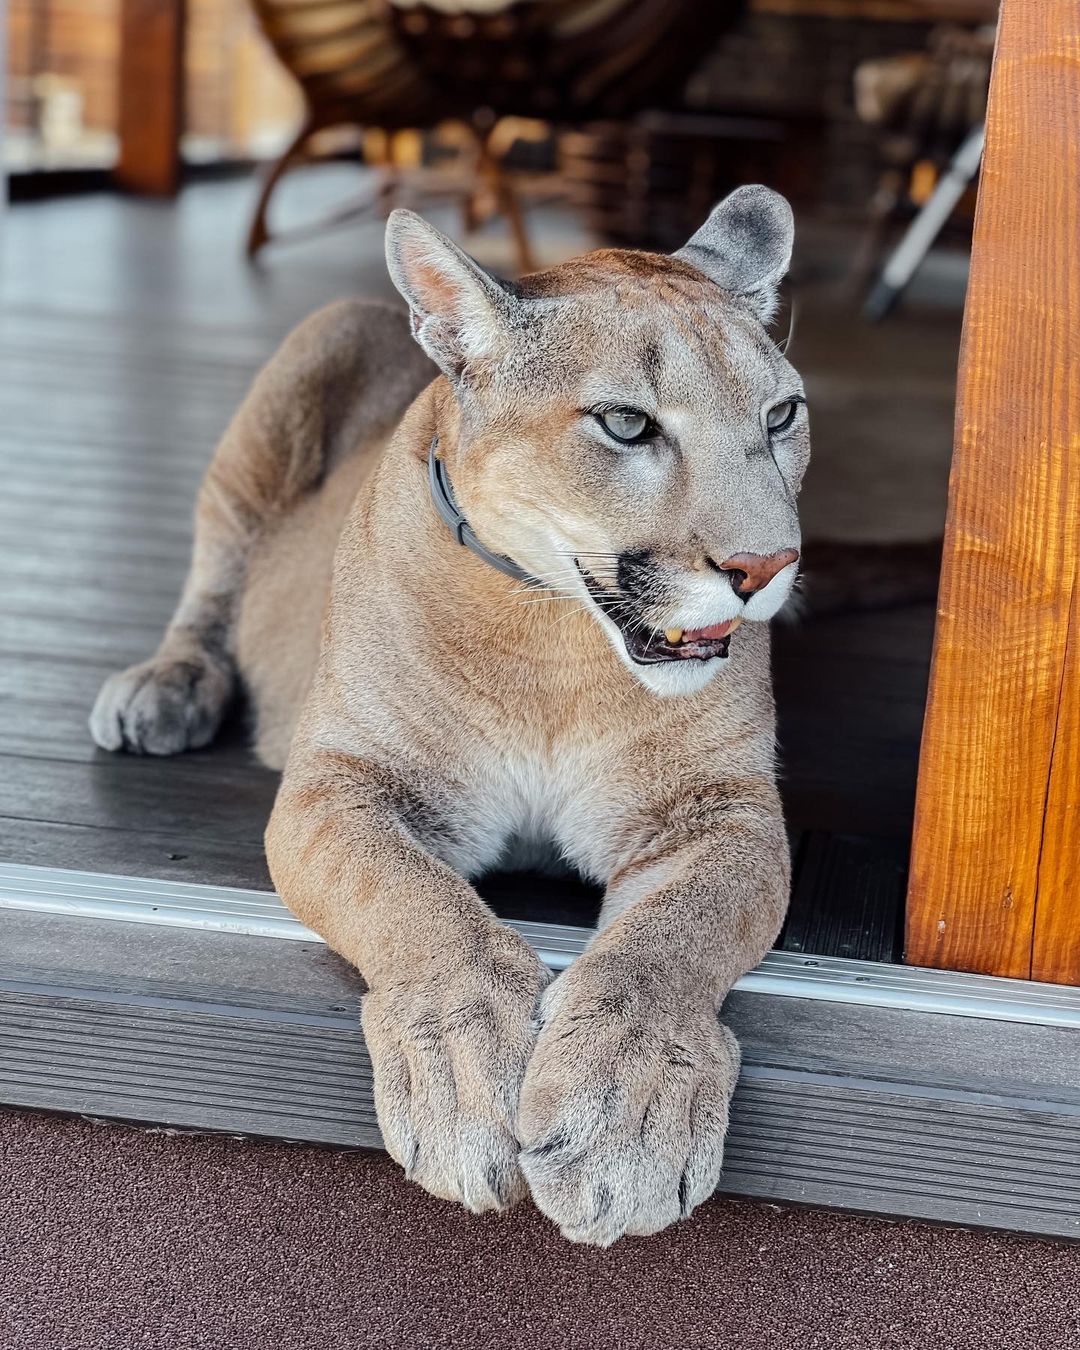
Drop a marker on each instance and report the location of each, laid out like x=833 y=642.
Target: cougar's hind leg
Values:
x=338 y=382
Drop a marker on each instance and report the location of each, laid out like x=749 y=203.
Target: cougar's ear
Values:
x=745 y=246
x=460 y=313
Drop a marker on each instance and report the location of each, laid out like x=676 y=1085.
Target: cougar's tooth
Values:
x=673 y=635
x=735 y=623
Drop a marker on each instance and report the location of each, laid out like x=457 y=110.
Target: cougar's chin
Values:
x=671 y=679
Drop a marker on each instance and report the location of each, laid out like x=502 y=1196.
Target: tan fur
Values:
x=456 y=717
x=289 y=573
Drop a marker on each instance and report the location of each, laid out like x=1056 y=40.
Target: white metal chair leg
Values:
x=907 y=257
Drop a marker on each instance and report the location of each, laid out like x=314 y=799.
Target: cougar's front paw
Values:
x=162 y=706
x=448 y=1053
x=624 y=1107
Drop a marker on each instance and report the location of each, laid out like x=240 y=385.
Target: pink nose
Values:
x=751 y=572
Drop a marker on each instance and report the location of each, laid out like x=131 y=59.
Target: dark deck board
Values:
x=218 y=793
x=871 y=875
x=138 y=852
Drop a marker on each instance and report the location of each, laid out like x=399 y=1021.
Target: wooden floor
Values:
x=129 y=332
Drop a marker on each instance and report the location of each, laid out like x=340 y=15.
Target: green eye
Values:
x=626 y=424
x=781 y=415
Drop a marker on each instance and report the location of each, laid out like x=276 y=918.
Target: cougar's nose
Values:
x=752 y=572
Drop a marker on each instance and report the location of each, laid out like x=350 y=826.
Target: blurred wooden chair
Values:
x=395 y=66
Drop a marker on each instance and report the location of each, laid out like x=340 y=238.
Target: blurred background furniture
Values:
x=637 y=111
x=391 y=66
x=920 y=236
x=928 y=109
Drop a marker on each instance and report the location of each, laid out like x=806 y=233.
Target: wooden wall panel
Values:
x=77 y=39
x=996 y=853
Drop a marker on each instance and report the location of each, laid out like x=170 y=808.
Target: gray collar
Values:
x=442 y=494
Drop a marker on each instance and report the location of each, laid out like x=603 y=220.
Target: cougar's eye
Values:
x=626 y=424
x=781 y=415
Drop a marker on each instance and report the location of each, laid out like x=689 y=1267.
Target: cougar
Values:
x=517 y=610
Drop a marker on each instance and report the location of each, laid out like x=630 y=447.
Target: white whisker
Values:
x=550 y=599
x=580 y=609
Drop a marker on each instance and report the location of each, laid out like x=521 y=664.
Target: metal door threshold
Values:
x=867 y=1087
x=225 y=909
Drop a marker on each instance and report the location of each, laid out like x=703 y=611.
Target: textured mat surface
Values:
x=114 y=1239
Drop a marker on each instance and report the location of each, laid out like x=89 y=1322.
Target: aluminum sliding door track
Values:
x=865 y=1087
x=96 y=895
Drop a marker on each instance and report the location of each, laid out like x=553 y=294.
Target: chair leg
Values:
x=882 y=215
x=258 y=233
x=908 y=255
x=508 y=204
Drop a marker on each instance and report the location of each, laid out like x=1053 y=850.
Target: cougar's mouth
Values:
x=649 y=646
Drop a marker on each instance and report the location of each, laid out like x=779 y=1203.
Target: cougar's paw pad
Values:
x=162 y=706
x=448 y=1057
x=623 y=1115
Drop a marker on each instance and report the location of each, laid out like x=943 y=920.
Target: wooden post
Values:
x=150 y=100
x=995 y=878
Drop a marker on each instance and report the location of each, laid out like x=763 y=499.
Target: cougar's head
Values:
x=629 y=434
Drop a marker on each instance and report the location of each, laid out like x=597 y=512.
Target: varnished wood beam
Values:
x=150 y=96
x=995 y=878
